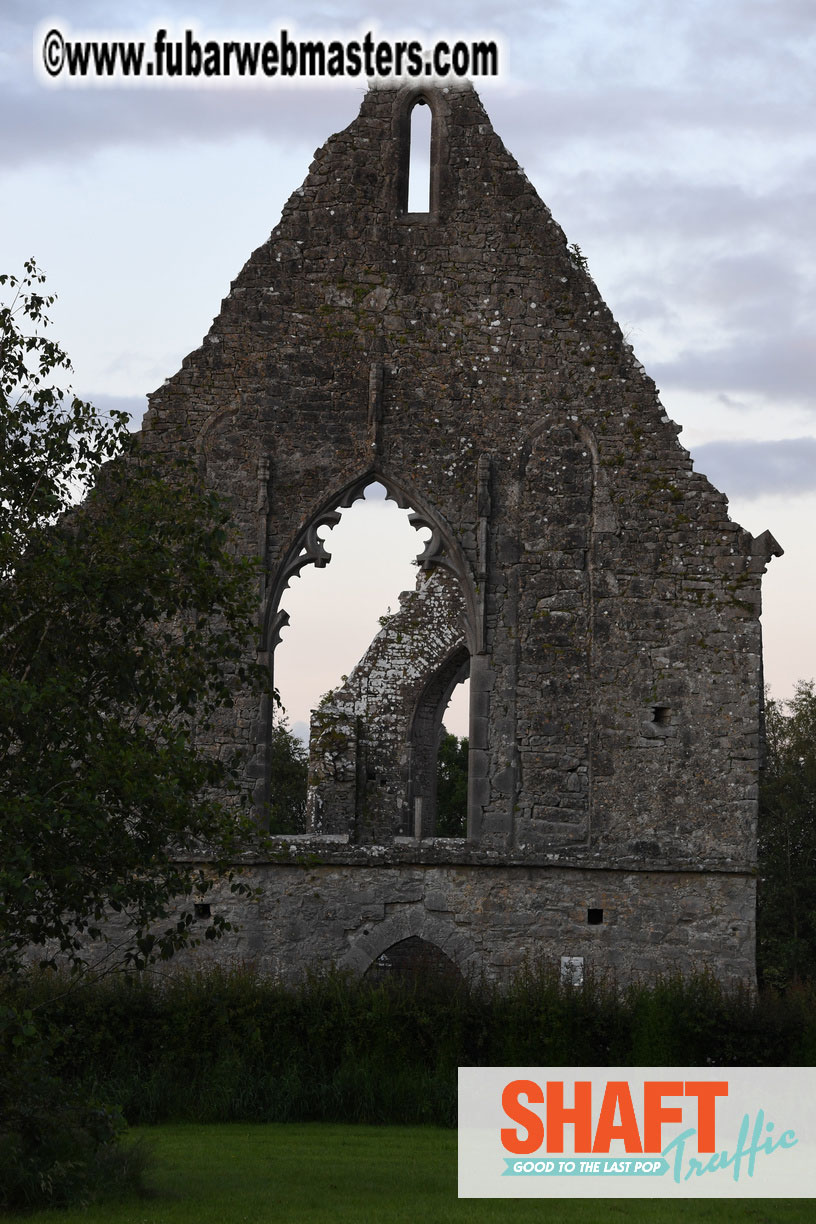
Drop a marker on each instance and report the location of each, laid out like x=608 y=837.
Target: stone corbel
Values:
x=766 y=547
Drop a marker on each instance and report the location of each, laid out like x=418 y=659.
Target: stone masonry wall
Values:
x=465 y=359
x=371 y=734
x=492 y=919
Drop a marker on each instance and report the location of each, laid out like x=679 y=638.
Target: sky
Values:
x=673 y=142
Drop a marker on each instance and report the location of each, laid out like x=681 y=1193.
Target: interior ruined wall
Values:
x=466 y=359
x=370 y=733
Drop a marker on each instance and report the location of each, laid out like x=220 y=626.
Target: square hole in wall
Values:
x=594 y=917
x=661 y=715
x=202 y=909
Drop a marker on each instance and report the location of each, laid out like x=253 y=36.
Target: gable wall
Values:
x=466 y=359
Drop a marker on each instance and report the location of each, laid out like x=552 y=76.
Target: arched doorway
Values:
x=414 y=961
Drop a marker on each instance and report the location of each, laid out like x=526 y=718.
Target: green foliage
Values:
x=56 y=1146
x=126 y=625
x=232 y=1046
x=786 y=909
x=451 y=786
x=289 y=776
x=577 y=257
x=51 y=443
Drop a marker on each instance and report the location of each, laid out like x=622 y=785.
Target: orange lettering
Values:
x=706 y=1092
x=517 y=1112
x=580 y=1116
x=655 y=1113
x=617 y=1095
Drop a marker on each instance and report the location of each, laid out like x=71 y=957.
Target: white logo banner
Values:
x=637 y=1132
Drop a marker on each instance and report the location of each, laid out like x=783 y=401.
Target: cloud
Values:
x=751 y=469
x=715 y=282
x=778 y=366
x=52 y=127
x=674 y=141
x=711 y=206
x=625 y=77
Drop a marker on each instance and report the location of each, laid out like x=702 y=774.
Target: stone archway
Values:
x=414 y=961
x=422 y=921
x=374 y=738
x=424 y=733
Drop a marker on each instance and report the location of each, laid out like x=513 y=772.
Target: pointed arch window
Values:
x=375 y=737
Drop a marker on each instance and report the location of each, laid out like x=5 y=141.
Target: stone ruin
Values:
x=579 y=570
x=373 y=741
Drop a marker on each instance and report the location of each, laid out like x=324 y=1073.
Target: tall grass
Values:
x=222 y=1045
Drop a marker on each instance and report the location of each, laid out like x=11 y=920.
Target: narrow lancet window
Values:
x=419 y=164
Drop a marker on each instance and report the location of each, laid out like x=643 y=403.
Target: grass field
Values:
x=323 y=1174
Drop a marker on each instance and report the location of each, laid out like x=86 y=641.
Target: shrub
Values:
x=221 y=1044
x=57 y=1147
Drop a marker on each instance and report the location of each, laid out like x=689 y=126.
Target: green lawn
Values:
x=321 y=1174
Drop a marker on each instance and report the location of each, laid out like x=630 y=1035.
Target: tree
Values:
x=786 y=909
x=126 y=623
x=289 y=774
x=451 y=786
